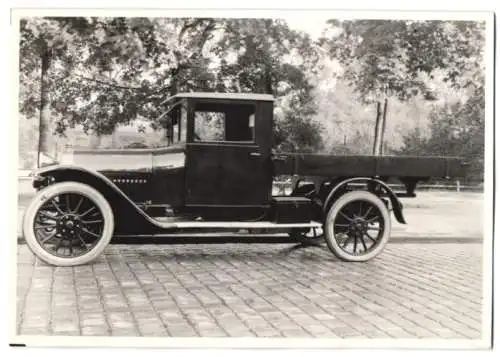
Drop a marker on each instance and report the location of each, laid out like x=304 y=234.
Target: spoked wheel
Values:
x=68 y=224
x=357 y=227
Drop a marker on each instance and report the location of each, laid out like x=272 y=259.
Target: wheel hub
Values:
x=358 y=226
x=69 y=225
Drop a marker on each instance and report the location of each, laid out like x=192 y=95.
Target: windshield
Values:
x=176 y=125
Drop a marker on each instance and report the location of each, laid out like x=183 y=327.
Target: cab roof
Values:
x=216 y=95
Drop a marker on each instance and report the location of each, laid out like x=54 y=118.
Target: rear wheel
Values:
x=357 y=227
x=68 y=224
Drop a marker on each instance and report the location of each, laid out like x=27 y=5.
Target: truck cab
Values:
x=227 y=147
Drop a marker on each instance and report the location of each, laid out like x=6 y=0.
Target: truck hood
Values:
x=130 y=160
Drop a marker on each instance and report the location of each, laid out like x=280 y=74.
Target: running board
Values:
x=235 y=225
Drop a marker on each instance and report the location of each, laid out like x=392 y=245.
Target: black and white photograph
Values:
x=253 y=178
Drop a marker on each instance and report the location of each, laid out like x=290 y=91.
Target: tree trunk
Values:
x=95 y=141
x=44 y=118
x=376 y=145
x=268 y=80
x=175 y=81
x=382 y=131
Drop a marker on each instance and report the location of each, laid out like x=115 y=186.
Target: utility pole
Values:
x=382 y=132
x=376 y=144
x=380 y=122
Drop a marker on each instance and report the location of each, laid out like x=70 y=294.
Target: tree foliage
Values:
x=108 y=71
x=105 y=72
x=266 y=56
x=398 y=58
x=417 y=60
x=455 y=130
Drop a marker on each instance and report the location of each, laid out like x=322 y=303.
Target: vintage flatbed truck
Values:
x=215 y=174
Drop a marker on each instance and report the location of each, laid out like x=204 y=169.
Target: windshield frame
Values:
x=174 y=118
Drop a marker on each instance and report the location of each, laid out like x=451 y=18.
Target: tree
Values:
x=398 y=59
x=52 y=52
x=266 y=56
x=455 y=130
x=102 y=72
x=41 y=42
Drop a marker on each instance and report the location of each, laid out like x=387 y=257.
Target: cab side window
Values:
x=219 y=122
x=209 y=126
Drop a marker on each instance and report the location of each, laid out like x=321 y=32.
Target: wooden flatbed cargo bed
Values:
x=369 y=166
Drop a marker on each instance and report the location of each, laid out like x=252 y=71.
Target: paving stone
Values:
x=34 y=330
x=238 y=290
x=95 y=331
x=123 y=332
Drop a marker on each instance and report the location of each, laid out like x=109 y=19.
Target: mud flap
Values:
x=397 y=207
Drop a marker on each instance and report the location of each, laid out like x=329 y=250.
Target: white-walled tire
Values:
x=68 y=224
x=350 y=223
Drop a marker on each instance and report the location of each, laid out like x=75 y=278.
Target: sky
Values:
x=314 y=26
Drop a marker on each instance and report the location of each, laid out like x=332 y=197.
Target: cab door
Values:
x=225 y=166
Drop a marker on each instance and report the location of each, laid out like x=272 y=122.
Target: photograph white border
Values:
x=484 y=342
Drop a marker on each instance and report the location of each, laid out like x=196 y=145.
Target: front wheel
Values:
x=357 y=227
x=68 y=224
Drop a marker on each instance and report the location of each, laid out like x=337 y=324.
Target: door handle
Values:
x=255 y=154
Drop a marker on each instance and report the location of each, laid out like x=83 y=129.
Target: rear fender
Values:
x=337 y=191
x=129 y=218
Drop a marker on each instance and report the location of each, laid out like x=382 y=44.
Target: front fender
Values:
x=129 y=218
x=397 y=207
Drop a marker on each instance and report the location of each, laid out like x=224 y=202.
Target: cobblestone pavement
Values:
x=410 y=291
